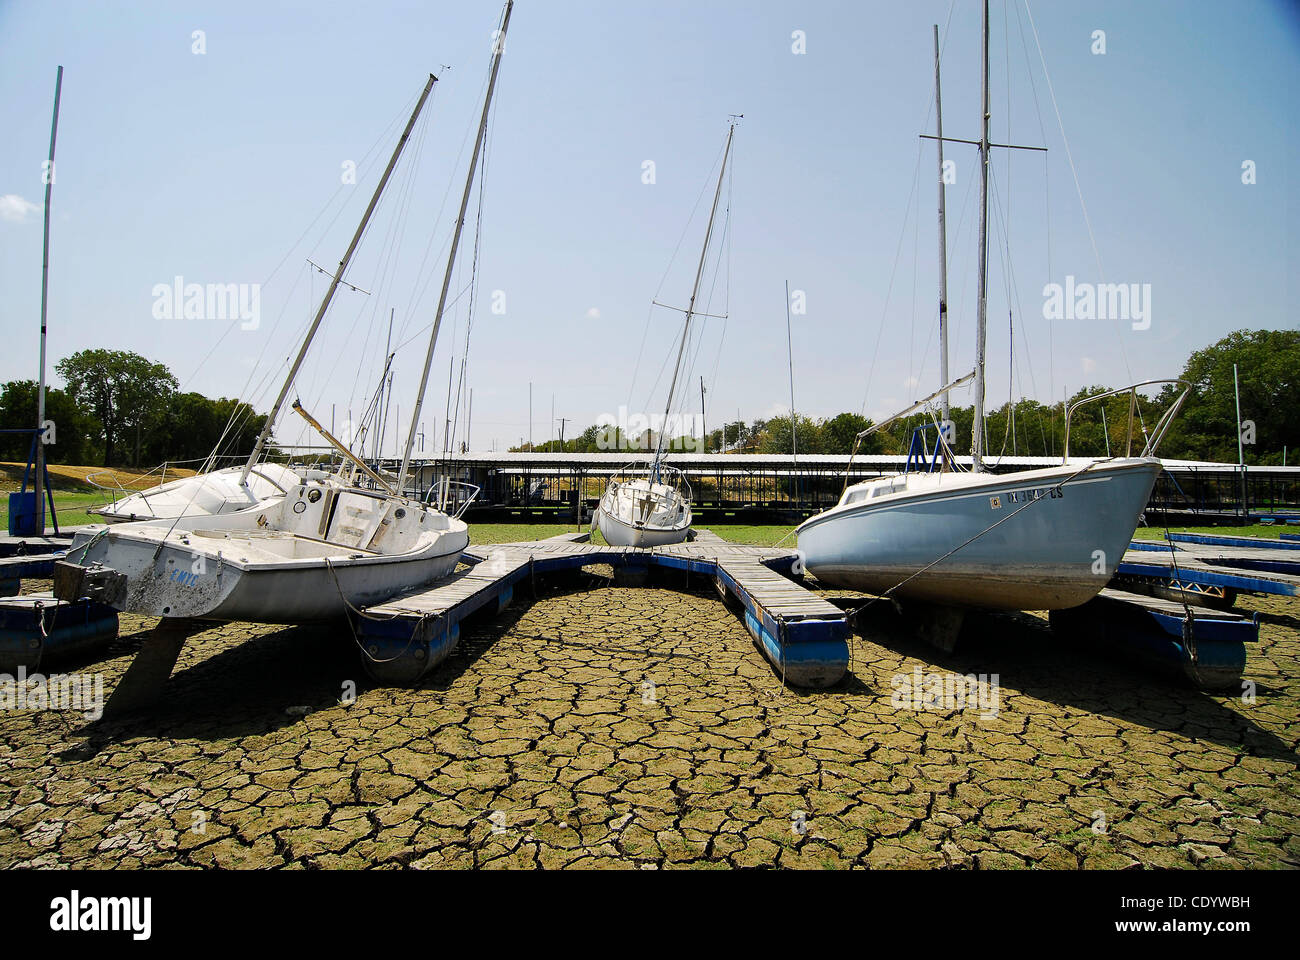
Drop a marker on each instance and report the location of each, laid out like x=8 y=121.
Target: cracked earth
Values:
x=641 y=729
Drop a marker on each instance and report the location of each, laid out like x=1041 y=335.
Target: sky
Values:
x=211 y=142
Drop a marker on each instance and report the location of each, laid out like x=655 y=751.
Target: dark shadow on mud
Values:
x=1029 y=658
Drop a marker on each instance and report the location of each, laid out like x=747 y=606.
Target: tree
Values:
x=776 y=436
x=840 y=433
x=123 y=391
x=1267 y=364
x=74 y=431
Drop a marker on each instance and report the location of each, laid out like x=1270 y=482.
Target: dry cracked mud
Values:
x=640 y=728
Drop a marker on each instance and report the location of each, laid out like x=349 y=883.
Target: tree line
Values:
x=119 y=409
x=1267 y=362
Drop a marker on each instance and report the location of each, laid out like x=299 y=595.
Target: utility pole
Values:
x=530 y=419
x=563 y=421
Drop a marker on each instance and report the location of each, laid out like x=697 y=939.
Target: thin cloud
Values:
x=14 y=209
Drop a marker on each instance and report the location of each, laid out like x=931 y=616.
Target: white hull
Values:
x=911 y=540
x=264 y=565
x=640 y=513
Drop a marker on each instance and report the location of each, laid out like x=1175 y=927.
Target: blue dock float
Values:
x=1206 y=646
x=1218 y=575
x=804 y=636
x=37 y=627
x=1286 y=542
x=1289 y=536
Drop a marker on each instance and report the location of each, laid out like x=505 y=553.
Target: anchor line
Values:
x=856 y=610
x=1189 y=632
x=368 y=616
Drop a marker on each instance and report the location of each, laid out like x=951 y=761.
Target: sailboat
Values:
x=314 y=552
x=650 y=505
x=1030 y=540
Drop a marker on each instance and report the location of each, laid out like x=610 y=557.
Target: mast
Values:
x=38 y=484
x=690 y=307
x=794 y=420
x=334 y=285
x=498 y=47
x=977 y=446
x=943 y=234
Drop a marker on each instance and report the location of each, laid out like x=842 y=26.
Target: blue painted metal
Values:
x=919 y=457
x=1290 y=536
x=1228 y=540
x=37 y=627
x=38 y=566
x=1198 y=574
x=1209 y=650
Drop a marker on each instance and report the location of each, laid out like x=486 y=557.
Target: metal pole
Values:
x=39 y=484
x=943 y=234
x=794 y=420
x=498 y=48
x=981 y=331
x=334 y=285
x=704 y=425
x=1241 y=451
x=690 y=307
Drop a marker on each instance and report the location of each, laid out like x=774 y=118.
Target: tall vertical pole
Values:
x=981 y=331
x=530 y=416
x=690 y=307
x=704 y=425
x=794 y=420
x=498 y=47
x=1241 y=450
x=39 y=484
x=943 y=234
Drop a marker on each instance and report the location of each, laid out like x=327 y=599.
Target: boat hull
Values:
x=1058 y=550
x=178 y=581
x=619 y=516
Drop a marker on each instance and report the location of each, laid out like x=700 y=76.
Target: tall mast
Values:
x=498 y=47
x=794 y=420
x=690 y=307
x=39 y=483
x=334 y=285
x=977 y=447
x=943 y=234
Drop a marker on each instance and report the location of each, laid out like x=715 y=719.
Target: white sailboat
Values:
x=309 y=554
x=1031 y=540
x=649 y=506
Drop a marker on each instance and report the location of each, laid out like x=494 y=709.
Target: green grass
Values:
x=71 y=507
x=1253 y=530
x=515 y=532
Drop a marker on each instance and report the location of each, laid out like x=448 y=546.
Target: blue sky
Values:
x=211 y=167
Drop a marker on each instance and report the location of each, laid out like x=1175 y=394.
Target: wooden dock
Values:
x=804 y=636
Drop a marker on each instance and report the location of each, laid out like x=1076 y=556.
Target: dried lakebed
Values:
x=640 y=728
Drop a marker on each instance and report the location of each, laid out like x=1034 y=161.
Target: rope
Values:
x=369 y=616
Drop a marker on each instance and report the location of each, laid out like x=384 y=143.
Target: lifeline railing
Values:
x=1157 y=432
x=450 y=493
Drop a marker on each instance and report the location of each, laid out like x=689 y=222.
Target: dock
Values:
x=1214 y=572
x=1207 y=646
x=804 y=636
